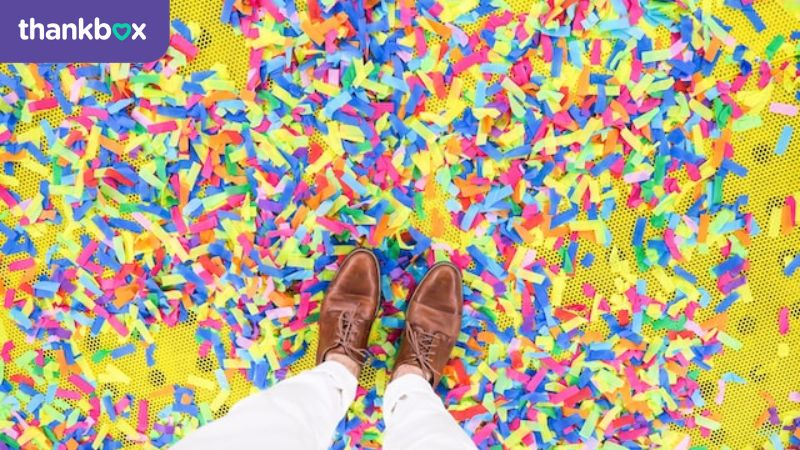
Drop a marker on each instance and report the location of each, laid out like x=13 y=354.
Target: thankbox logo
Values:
x=80 y=30
x=91 y=31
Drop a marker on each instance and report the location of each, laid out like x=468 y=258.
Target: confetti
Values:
x=783 y=108
x=783 y=140
x=783 y=321
x=510 y=142
x=792 y=264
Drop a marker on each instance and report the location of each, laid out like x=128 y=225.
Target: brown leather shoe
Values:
x=433 y=321
x=349 y=307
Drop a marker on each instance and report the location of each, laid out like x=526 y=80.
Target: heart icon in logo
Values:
x=121 y=30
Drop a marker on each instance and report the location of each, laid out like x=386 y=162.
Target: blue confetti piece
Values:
x=792 y=266
x=123 y=351
x=783 y=140
x=727 y=302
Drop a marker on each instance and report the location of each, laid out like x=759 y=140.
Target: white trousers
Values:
x=302 y=413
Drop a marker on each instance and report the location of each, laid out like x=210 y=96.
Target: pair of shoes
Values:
x=433 y=319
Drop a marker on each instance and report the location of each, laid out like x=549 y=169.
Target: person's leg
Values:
x=302 y=413
x=415 y=417
x=299 y=413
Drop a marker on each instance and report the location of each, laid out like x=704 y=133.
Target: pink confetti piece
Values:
x=22 y=264
x=783 y=321
x=81 y=384
x=163 y=127
x=43 y=104
x=95 y=112
x=483 y=433
x=720 y=392
x=68 y=394
x=182 y=45
x=783 y=108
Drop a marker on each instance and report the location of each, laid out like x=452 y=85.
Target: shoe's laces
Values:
x=422 y=343
x=348 y=322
